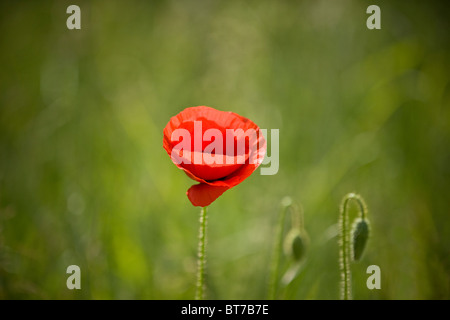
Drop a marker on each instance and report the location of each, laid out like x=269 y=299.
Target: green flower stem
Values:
x=344 y=243
x=275 y=265
x=297 y=222
x=297 y=216
x=201 y=259
x=346 y=280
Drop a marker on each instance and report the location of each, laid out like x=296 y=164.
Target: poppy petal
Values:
x=202 y=194
x=210 y=118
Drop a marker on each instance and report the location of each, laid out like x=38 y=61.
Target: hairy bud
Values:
x=360 y=234
x=296 y=244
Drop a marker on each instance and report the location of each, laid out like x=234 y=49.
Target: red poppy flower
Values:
x=216 y=148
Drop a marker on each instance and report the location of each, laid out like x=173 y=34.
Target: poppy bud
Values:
x=295 y=244
x=360 y=234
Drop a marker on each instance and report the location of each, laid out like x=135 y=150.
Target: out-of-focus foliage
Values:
x=84 y=179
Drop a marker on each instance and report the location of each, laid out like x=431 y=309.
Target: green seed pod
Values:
x=360 y=234
x=295 y=244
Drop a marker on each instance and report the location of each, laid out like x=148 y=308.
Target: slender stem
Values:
x=275 y=264
x=344 y=243
x=346 y=281
x=296 y=222
x=201 y=259
x=297 y=216
x=362 y=207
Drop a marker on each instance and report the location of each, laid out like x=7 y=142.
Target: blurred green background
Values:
x=84 y=178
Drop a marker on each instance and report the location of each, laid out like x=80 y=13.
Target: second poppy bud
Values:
x=296 y=244
x=360 y=234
